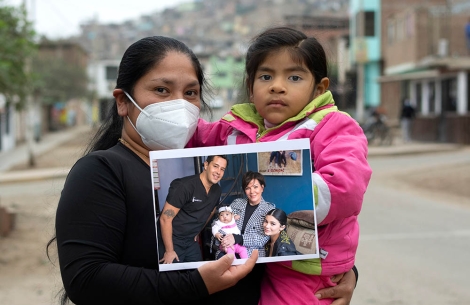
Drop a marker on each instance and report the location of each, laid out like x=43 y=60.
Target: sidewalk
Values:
x=412 y=148
x=19 y=155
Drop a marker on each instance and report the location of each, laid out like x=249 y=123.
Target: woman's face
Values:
x=272 y=226
x=253 y=191
x=173 y=78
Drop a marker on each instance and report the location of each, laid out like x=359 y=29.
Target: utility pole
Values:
x=361 y=57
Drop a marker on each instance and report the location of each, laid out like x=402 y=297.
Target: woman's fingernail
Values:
x=318 y=295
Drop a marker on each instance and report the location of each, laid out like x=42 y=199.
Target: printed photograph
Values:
x=214 y=201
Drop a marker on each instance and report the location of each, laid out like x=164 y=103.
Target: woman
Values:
x=252 y=210
x=105 y=222
x=279 y=244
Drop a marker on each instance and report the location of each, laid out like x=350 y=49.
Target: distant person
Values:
x=226 y=225
x=190 y=203
x=406 y=118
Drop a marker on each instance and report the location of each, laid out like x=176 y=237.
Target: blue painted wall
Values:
x=372 y=65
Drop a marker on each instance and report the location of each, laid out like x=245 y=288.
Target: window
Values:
x=400 y=29
x=409 y=25
x=449 y=95
x=432 y=96
x=369 y=24
x=419 y=96
x=368 y=21
x=111 y=72
x=390 y=32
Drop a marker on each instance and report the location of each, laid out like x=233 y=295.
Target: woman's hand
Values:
x=228 y=241
x=220 y=274
x=343 y=292
x=169 y=257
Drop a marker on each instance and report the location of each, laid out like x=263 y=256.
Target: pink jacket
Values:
x=341 y=171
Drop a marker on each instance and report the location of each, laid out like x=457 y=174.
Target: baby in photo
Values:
x=226 y=225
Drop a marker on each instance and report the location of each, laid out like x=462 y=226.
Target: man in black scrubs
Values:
x=190 y=203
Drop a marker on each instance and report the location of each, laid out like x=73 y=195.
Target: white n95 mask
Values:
x=166 y=125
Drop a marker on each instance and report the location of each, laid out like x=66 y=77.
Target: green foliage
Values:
x=16 y=47
x=56 y=80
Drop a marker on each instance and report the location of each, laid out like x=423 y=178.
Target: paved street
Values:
x=415 y=238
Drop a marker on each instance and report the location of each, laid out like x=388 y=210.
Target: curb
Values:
x=412 y=149
x=33 y=175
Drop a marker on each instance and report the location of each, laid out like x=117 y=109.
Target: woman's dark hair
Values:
x=280 y=215
x=138 y=59
x=303 y=50
x=248 y=176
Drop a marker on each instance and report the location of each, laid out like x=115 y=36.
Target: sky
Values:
x=62 y=18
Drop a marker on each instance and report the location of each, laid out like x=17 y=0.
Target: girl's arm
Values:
x=341 y=171
x=209 y=134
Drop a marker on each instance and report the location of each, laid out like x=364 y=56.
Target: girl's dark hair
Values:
x=138 y=59
x=303 y=50
x=248 y=176
x=280 y=215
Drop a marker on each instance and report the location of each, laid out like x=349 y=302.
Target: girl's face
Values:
x=272 y=226
x=173 y=78
x=282 y=88
x=225 y=216
x=253 y=191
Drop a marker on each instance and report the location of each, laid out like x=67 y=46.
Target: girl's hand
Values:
x=220 y=274
x=343 y=292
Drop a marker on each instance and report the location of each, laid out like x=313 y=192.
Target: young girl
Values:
x=279 y=244
x=287 y=84
x=226 y=225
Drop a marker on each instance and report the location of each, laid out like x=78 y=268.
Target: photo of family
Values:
x=215 y=200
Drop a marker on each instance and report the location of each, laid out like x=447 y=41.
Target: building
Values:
x=226 y=75
x=426 y=60
x=365 y=54
x=103 y=75
x=68 y=60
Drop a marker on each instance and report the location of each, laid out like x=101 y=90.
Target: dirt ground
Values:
x=26 y=274
x=28 y=277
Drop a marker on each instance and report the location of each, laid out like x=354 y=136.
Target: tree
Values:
x=57 y=80
x=16 y=47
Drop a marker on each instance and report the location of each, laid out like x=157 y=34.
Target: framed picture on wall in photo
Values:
x=202 y=196
x=280 y=162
